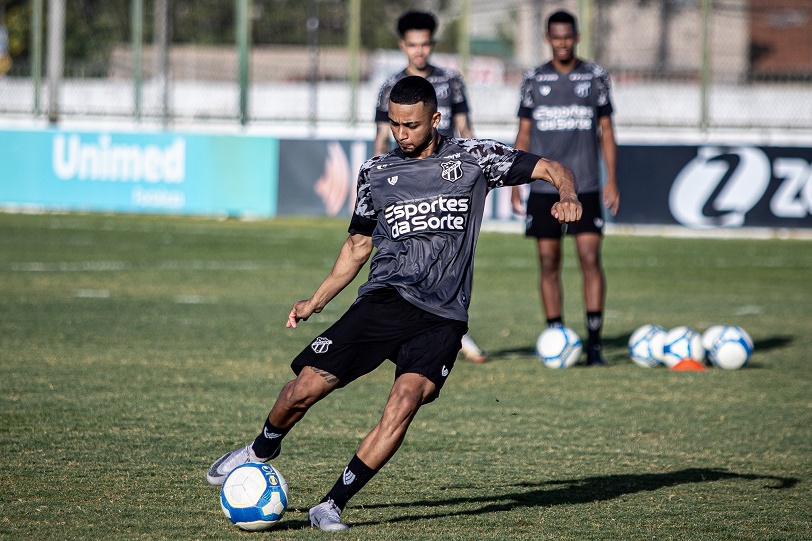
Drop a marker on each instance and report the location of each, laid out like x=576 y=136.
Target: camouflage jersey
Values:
x=424 y=217
x=451 y=98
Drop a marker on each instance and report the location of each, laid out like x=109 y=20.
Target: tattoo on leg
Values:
x=328 y=377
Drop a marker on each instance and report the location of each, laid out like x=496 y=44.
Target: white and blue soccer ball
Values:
x=254 y=496
x=646 y=345
x=728 y=346
x=559 y=347
x=682 y=343
x=710 y=335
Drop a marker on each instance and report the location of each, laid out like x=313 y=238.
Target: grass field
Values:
x=136 y=350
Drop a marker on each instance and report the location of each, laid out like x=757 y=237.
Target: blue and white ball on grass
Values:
x=682 y=343
x=254 y=496
x=728 y=346
x=559 y=347
x=646 y=345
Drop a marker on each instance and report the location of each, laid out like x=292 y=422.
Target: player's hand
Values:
x=300 y=312
x=611 y=198
x=567 y=210
x=516 y=202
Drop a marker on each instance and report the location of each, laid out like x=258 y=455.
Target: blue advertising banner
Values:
x=716 y=186
x=319 y=177
x=160 y=172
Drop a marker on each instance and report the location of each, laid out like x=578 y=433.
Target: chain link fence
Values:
x=744 y=64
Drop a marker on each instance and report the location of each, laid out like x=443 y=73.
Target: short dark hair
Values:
x=414 y=89
x=563 y=17
x=417 y=20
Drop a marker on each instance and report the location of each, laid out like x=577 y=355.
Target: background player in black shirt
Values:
x=419 y=208
x=416 y=30
x=566 y=114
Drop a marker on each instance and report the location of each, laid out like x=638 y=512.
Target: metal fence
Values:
x=709 y=64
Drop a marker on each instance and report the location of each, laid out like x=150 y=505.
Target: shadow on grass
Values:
x=567 y=492
x=613 y=346
x=773 y=342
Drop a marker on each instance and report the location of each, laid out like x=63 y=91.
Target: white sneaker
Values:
x=225 y=464
x=472 y=352
x=327 y=517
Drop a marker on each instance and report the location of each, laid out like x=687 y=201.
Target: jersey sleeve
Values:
x=604 y=94
x=364 y=217
x=382 y=105
x=526 y=96
x=459 y=98
x=501 y=164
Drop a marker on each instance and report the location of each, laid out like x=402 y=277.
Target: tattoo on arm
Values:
x=328 y=377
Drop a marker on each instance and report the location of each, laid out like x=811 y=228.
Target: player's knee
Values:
x=299 y=395
x=550 y=262
x=590 y=262
x=411 y=393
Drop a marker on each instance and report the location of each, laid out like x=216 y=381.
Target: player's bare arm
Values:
x=522 y=143
x=381 y=145
x=568 y=208
x=611 y=191
x=462 y=125
x=353 y=255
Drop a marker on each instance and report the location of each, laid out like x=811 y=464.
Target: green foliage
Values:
x=95 y=27
x=134 y=350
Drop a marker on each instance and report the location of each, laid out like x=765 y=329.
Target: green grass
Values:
x=135 y=350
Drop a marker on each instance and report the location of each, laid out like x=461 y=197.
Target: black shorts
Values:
x=383 y=325
x=539 y=223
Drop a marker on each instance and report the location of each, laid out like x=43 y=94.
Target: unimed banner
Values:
x=162 y=172
x=716 y=186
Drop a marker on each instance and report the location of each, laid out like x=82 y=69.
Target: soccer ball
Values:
x=558 y=347
x=682 y=343
x=710 y=335
x=646 y=345
x=254 y=496
x=728 y=347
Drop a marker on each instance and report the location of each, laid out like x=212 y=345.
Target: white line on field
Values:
x=92 y=293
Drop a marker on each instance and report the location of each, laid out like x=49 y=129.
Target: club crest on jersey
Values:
x=392 y=180
x=452 y=170
x=545 y=90
x=320 y=344
x=442 y=90
x=582 y=89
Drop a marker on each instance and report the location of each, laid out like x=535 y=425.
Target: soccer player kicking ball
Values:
x=420 y=207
